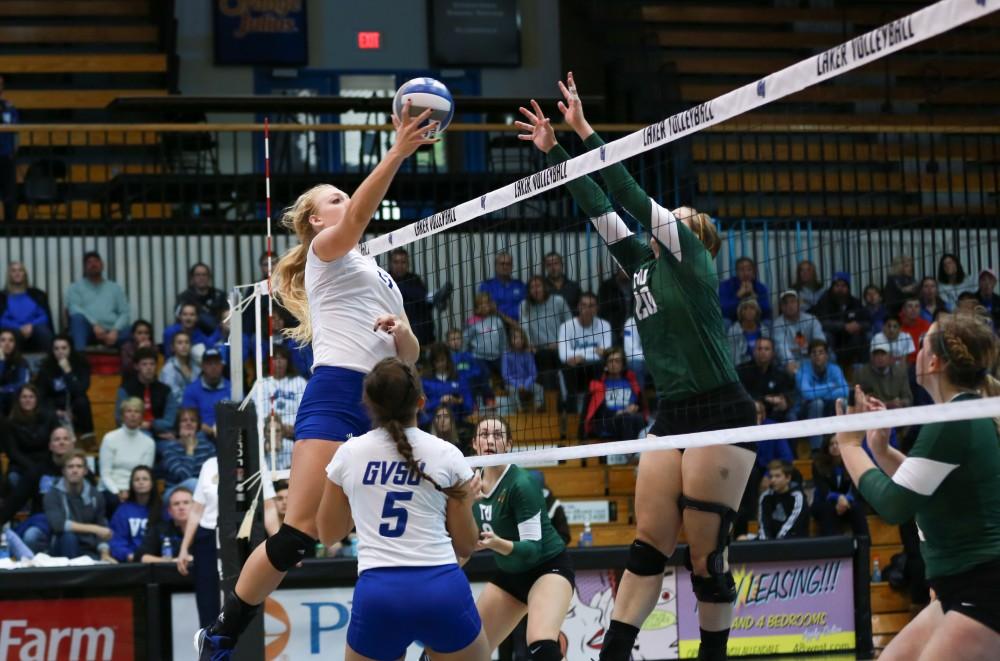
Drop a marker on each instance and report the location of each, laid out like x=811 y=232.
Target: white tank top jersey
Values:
x=345 y=297
x=207 y=491
x=399 y=516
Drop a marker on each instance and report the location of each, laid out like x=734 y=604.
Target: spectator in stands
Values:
x=615 y=409
x=208 y=390
x=745 y=332
x=98 y=309
x=635 y=360
x=443 y=426
x=159 y=404
x=134 y=515
x=468 y=366
x=486 y=335
x=13 y=370
x=221 y=339
x=180 y=370
x=557 y=283
x=75 y=513
x=885 y=378
x=415 y=300
x=913 y=324
x=286 y=387
x=872 y=300
x=952 y=280
x=443 y=386
x=819 y=383
x=771 y=450
x=505 y=290
x=63 y=380
x=900 y=285
x=287 y=317
x=835 y=498
x=122 y=450
x=845 y=321
x=517 y=367
x=281 y=498
x=276 y=436
x=27 y=432
x=930 y=302
x=767 y=383
x=583 y=341
x=542 y=313
x=742 y=286
x=8 y=167
x=901 y=345
x=25 y=309
x=32 y=487
x=807 y=284
x=988 y=297
x=209 y=302
x=614 y=297
x=187 y=321
x=793 y=331
x=141 y=337
x=968 y=303
x=301 y=356
x=783 y=511
x=179 y=459
x=169 y=528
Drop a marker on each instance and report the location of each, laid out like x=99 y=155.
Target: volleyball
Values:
x=423 y=93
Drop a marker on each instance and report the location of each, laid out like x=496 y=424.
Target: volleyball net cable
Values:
x=869 y=47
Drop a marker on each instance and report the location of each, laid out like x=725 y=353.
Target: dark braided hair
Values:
x=392 y=395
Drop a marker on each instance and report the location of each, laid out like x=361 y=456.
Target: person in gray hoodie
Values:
x=793 y=331
x=74 y=509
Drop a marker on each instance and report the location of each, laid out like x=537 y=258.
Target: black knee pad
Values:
x=716 y=560
x=714 y=589
x=545 y=650
x=645 y=560
x=287 y=547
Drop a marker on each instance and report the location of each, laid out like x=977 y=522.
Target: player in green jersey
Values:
x=679 y=318
x=534 y=575
x=951 y=482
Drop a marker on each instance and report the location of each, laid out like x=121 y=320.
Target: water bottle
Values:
x=876 y=572
x=586 y=537
x=320 y=550
x=353 y=548
x=167 y=550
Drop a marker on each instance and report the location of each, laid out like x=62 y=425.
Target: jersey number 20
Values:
x=390 y=510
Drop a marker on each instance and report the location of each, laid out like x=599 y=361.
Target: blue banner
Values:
x=261 y=32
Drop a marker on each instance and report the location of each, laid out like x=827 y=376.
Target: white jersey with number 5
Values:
x=399 y=516
x=345 y=297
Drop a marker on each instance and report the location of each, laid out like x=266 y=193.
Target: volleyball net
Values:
x=850 y=189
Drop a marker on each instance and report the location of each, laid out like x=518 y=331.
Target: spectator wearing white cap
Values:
x=885 y=378
x=793 y=331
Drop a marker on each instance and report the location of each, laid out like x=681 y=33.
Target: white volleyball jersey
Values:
x=399 y=516
x=345 y=297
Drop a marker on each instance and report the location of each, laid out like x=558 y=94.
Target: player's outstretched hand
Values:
x=572 y=108
x=538 y=129
x=411 y=132
x=391 y=324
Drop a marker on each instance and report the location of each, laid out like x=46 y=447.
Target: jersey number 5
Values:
x=391 y=510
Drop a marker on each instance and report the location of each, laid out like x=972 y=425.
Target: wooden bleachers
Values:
x=33 y=63
x=85 y=8
x=73 y=99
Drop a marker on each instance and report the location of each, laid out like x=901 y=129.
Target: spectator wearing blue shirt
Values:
x=208 y=391
x=129 y=522
x=8 y=166
x=179 y=460
x=505 y=290
x=443 y=386
x=25 y=310
x=742 y=286
x=517 y=367
x=98 y=309
x=187 y=321
x=13 y=370
x=877 y=312
x=835 y=498
x=468 y=366
x=820 y=384
x=745 y=332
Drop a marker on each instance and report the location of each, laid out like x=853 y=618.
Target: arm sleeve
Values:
x=189 y=401
x=120 y=536
x=840 y=387
x=728 y=300
x=528 y=506
x=764 y=298
x=626 y=190
x=564 y=353
x=761 y=528
x=124 y=310
x=798 y=509
x=54 y=511
x=107 y=458
x=166 y=423
x=74 y=301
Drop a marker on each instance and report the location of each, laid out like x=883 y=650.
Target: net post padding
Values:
x=238 y=446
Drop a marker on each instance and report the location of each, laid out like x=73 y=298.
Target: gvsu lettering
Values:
x=435 y=222
x=19 y=641
x=538 y=180
x=390 y=472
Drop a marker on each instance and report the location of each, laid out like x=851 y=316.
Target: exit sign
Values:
x=369 y=40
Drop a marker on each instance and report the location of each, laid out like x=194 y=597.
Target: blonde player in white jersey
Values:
x=411 y=496
x=352 y=312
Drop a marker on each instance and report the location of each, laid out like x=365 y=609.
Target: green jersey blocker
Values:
x=515 y=510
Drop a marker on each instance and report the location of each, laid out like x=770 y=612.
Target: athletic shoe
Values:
x=213 y=648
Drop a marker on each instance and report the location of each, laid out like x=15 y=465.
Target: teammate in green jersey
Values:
x=951 y=481
x=534 y=575
x=679 y=319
